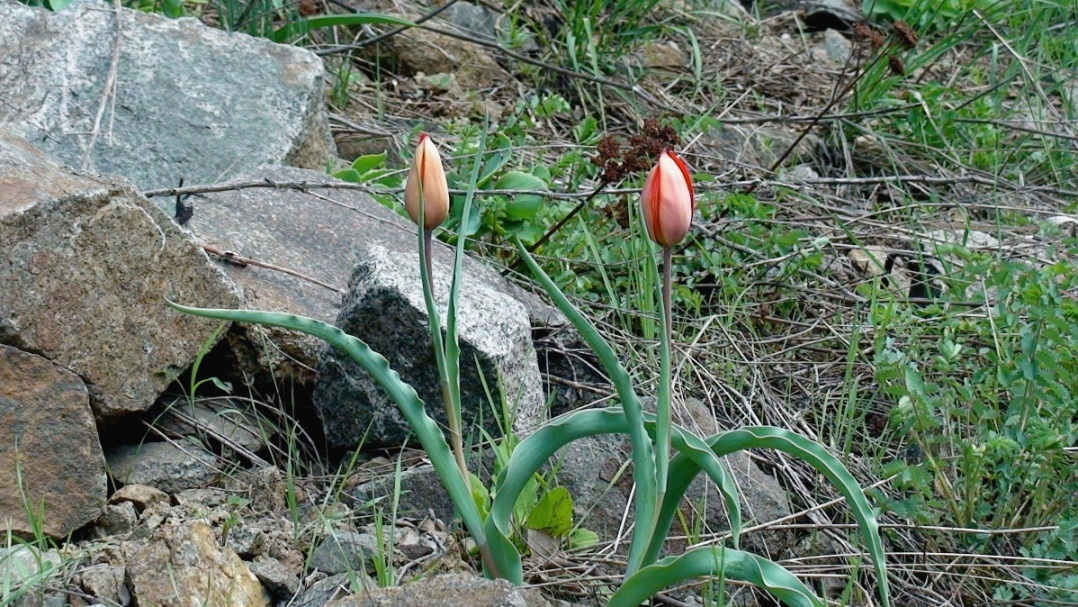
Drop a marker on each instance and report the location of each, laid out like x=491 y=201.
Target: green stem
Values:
x=663 y=409
x=452 y=413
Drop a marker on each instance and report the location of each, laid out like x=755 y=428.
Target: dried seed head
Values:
x=905 y=34
x=867 y=33
x=897 y=66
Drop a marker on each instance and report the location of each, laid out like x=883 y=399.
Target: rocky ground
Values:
x=152 y=458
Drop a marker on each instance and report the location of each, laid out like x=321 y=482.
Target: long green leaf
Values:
x=452 y=342
x=643 y=452
x=730 y=563
x=768 y=437
x=302 y=26
x=535 y=450
x=411 y=406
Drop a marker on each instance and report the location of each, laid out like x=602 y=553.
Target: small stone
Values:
x=837 y=46
x=183 y=565
x=245 y=540
x=344 y=551
x=450 y=590
x=118 y=519
x=281 y=580
x=141 y=496
x=105 y=583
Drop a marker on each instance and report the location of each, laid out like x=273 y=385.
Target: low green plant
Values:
x=661 y=480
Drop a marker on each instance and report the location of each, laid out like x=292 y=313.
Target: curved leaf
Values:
x=535 y=450
x=769 y=437
x=643 y=452
x=411 y=406
x=725 y=562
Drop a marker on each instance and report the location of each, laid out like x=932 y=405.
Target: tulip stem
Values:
x=452 y=413
x=663 y=408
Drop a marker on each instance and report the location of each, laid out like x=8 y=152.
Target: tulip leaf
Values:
x=643 y=452
x=715 y=561
x=302 y=26
x=411 y=406
x=683 y=470
x=534 y=451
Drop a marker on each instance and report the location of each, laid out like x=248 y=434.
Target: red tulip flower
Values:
x=668 y=200
x=426 y=182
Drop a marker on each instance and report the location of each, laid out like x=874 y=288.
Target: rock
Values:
x=474 y=19
x=50 y=458
x=182 y=565
x=385 y=308
x=165 y=121
x=344 y=551
x=449 y=590
x=325 y=590
x=870 y=260
x=88 y=266
x=105 y=583
x=663 y=56
x=245 y=540
x=837 y=48
x=118 y=519
x=281 y=580
x=26 y=573
x=141 y=496
x=594 y=471
x=422 y=493
x=416 y=50
x=226 y=421
x=819 y=14
x=165 y=466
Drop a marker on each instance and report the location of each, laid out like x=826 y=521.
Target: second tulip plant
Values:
x=667 y=204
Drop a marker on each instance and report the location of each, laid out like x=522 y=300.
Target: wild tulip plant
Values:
x=667 y=206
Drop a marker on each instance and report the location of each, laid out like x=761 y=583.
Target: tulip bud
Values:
x=668 y=200
x=426 y=182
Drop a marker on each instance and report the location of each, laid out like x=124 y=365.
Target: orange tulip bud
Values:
x=426 y=182
x=668 y=200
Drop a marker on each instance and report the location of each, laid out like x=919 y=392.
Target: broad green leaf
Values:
x=502 y=151
x=480 y=495
x=582 y=538
x=720 y=562
x=521 y=206
x=364 y=164
x=349 y=175
x=302 y=26
x=553 y=513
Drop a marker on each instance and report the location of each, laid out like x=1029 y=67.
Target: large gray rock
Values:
x=385 y=308
x=188 y=100
x=87 y=267
x=324 y=235
x=182 y=565
x=50 y=458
